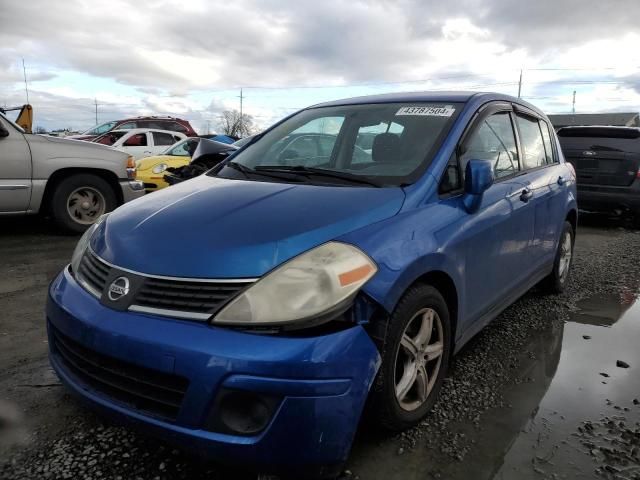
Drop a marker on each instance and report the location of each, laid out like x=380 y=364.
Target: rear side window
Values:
x=534 y=154
x=493 y=140
x=546 y=137
x=160 y=138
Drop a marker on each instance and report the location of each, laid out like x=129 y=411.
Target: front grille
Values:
x=191 y=299
x=148 y=391
x=197 y=297
x=93 y=273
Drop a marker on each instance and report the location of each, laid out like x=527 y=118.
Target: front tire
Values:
x=557 y=280
x=415 y=359
x=79 y=200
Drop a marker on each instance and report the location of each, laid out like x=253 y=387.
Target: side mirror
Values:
x=3 y=131
x=478 y=178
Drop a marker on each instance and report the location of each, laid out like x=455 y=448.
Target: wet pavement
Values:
x=537 y=395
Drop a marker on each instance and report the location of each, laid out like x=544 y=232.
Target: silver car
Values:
x=74 y=182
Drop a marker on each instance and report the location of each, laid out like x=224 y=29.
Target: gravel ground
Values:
x=86 y=447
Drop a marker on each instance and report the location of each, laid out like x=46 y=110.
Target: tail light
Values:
x=131 y=168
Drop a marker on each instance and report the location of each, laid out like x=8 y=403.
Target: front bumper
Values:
x=152 y=181
x=131 y=189
x=323 y=381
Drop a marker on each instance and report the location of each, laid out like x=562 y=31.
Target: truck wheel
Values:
x=79 y=200
x=415 y=359
x=556 y=281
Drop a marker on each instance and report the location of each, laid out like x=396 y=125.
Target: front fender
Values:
x=406 y=247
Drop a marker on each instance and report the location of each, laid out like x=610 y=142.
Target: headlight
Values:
x=159 y=168
x=310 y=285
x=83 y=243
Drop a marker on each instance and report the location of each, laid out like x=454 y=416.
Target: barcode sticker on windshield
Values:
x=445 y=111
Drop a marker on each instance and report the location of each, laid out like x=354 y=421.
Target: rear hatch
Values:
x=606 y=156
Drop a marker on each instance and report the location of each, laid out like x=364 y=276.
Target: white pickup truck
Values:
x=73 y=181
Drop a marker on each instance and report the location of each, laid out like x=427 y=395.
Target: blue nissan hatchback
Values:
x=341 y=257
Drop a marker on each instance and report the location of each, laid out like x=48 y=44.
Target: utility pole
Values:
x=520 y=84
x=208 y=127
x=241 y=98
x=573 y=108
x=24 y=72
x=96 y=102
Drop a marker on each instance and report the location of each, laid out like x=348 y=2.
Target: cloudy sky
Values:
x=190 y=58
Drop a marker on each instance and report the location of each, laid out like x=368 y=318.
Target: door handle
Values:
x=561 y=180
x=526 y=195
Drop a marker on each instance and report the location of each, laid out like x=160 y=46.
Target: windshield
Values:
x=386 y=144
x=100 y=129
x=110 y=138
x=182 y=149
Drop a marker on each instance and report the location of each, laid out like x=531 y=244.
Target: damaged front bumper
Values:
x=172 y=377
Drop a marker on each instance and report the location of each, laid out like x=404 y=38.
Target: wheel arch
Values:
x=572 y=218
x=59 y=175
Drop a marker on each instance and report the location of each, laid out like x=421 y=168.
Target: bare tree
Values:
x=40 y=130
x=231 y=123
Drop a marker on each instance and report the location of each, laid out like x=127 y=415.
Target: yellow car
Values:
x=151 y=169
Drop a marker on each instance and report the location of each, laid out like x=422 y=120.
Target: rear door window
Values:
x=534 y=154
x=546 y=138
x=161 y=138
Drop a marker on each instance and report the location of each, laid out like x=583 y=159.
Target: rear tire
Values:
x=79 y=200
x=557 y=280
x=415 y=359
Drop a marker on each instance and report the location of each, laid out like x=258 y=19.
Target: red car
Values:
x=161 y=123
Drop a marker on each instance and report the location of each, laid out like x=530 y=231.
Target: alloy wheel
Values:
x=566 y=251
x=418 y=359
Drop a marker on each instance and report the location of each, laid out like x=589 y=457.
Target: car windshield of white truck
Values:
x=381 y=144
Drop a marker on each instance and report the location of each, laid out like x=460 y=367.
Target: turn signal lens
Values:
x=131 y=168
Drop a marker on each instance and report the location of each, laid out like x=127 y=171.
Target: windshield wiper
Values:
x=247 y=171
x=241 y=168
x=301 y=169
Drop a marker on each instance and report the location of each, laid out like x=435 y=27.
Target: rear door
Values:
x=546 y=179
x=15 y=170
x=162 y=141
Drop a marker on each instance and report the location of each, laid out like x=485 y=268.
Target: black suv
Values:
x=606 y=161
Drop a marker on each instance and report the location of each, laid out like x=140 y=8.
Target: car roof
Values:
x=145 y=130
x=150 y=117
x=429 y=96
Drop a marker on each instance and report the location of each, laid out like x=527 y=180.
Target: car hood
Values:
x=149 y=162
x=215 y=228
x=45 y=146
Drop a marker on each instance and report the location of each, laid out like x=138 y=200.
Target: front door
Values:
x=499 y=234
x=15 y=170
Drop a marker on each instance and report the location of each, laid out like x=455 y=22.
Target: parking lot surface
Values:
x=549 y=390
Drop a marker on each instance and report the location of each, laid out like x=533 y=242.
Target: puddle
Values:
x=559 y=387
x=587 y=386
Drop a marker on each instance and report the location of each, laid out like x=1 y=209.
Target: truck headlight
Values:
x=308 y=286
x=83 y=243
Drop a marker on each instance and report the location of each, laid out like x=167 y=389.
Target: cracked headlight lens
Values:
x=311 y=285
